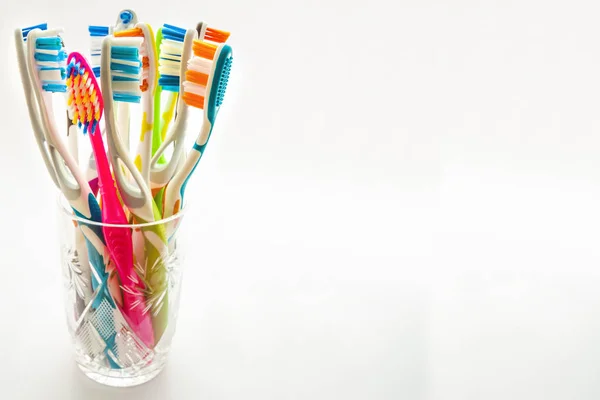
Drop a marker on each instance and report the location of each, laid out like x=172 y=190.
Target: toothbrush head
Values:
x=207 y=33
x=207 y=77
x=216 y=35
x=169 y=62
x=125 y=69
x=84 y=97
x=25 y=31
x=97 y=33
x=49 y=55
x=147 y=53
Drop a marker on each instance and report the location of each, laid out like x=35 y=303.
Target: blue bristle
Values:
x=53 y=62
x=26 y=31
x=169 y=82
x=49 y=43
x=94 y=126
x=172 y=32
x=128 y=69
x=43 y=57
x=96 y=30
x=124 y=79
x=173 y=28
x=71 y=68
x=54 y=87
x=125 y=53
x=126 y=97
x=96 y=71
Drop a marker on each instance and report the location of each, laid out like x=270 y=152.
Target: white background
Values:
x=401 y=200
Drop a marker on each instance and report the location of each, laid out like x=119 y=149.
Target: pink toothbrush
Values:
x=85 y=101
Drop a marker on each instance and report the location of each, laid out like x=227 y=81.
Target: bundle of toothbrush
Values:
x=171 y=75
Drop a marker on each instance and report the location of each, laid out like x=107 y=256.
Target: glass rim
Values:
x=66 y=209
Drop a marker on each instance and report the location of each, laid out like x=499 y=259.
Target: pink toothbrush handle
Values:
x=118 y=241
x=120 y=247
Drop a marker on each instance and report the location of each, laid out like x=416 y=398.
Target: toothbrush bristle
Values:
x=97 y=33
x=26 y=31
x=139 y=33
x=216 y=35
x=50 y=59
x=133 y=32
x=84 y=97
x=169 y=62
x=204 y=49
x=126 y=69
x=199 y=73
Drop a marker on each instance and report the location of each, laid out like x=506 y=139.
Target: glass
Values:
x=121 y=333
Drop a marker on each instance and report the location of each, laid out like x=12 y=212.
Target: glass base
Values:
x=122 y=378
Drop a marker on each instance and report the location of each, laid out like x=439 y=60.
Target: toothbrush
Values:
x=171 y=69
x=120 y=81
x=85 y=101
x=169 y=72
x=209 y=34
x=32 y=108
x=46 y=72
x=161 y=121
x=176 y=49
x=148 y=85
x=97 y=33
x=126 y=19
x=84 y=291
x=204 y=87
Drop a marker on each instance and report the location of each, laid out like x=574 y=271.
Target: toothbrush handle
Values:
x=120 y=247
x=176 y=187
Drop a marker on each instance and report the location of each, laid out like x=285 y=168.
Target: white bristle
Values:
x=194 y=88
x=200 y=64
x=128 y=41
x=53 y=52
x=169 y=62
x=124 y=62
x=171 y=47
x=96 y=41
x=49 y=64
x=124 y=86
x=169 y=57
x=95 y=59
x=124 y=75
x=50 y=75
x=168 y=67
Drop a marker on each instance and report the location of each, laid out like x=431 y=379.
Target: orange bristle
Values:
x=196 y=77
x=134 y=32
x=193 y=100
x=204 y=49
x=216 y=35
